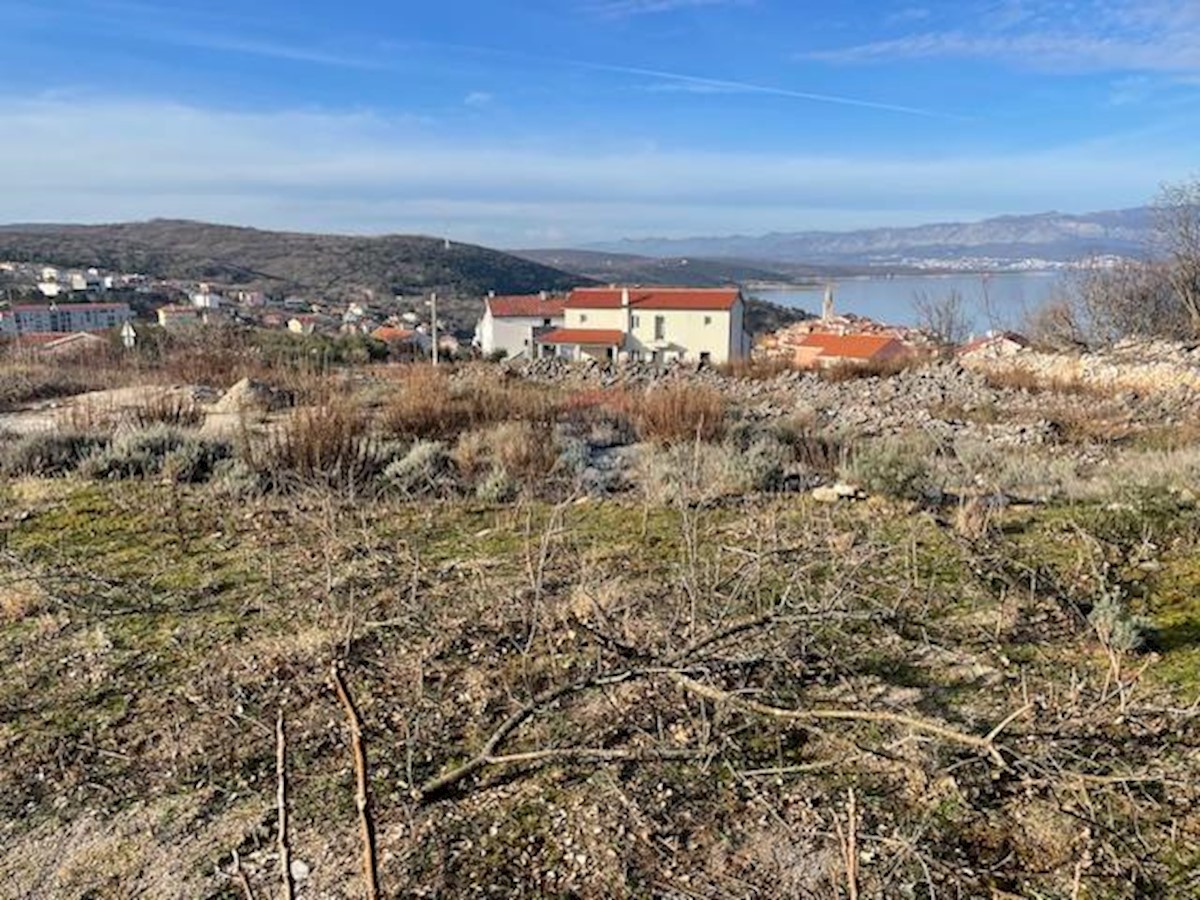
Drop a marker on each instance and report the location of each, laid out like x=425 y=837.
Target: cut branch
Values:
x=285 y=850
x=983 y=744
x=362 y=797
x=508 y=726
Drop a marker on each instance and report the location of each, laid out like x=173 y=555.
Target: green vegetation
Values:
x=146 y=663
x=992 y=647
x=290 y=263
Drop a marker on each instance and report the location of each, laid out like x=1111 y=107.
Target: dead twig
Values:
x=285 y=850
x=507 y=727
x=984 y=744
x=362 y=797
x=848 y=844
x=242 y=877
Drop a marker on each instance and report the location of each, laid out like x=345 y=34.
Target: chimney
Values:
x=543 y=295
x=625 y=297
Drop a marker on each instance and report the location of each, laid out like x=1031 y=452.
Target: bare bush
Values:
x=884 y=368
x=680 y=412
x=944 y=316
x=166 y=408
x=1130 y=299
x=1177 y=213
x=329 y=445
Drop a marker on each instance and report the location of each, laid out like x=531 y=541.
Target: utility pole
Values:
x=434 y=324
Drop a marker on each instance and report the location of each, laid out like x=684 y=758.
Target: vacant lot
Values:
x=691 y=679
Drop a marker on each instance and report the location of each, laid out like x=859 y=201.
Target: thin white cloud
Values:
x=478 y=98
x=623 y=9
x=272 y=50
x=1086 y=36
x=325 y=171
x=745 y=87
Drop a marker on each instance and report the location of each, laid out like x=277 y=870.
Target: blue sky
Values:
x=558 y=122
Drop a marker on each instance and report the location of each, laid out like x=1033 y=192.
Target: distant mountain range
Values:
x=1053 y=236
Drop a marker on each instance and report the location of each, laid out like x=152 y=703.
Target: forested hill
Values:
x=282 y=262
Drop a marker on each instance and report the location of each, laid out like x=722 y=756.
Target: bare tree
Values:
x=943 y=316
x=1130 y=299
x=1177 y=233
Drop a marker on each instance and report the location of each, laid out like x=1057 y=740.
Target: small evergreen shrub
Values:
x=48 y=454
x=195 y=460
x=425 y=469
x=891 y=468
x=497 y=487
x=135 y=454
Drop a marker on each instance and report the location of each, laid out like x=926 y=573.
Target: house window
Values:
x=660 y=328
x=705 y=358
x=636 y=322
x=546 y=323
x=708 y=320
x=583 y=317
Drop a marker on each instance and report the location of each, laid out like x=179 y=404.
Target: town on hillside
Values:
x=48 y=310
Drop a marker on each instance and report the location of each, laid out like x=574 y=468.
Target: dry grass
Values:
x=1018 y=378
x=424 y=403
x=758 y=368
x=20 y=600
x=849 y=371
x=166 y=408
x=521 y=449
x=680 y=412
x=25 y=381
x=330 y=444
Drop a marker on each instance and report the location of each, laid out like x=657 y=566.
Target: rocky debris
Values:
x=252 y=396
x=835 y=493
x=1151 y=385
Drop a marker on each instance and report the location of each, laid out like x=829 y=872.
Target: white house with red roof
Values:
x=651 y=324
x=512 y=324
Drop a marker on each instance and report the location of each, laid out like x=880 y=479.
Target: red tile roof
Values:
x=684 y=298
x=388 y=334
x=849 y=346
x=989 y=339
x=593 y=337
x=532 y=306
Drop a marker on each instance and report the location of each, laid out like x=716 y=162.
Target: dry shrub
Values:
x=329 y=444
x=974 y=518
x=520 y=449
x=680 y=412
x=219 y=357
x=20 y=600
x=888 y=368
x=427 y=405
x=758 y=368
x=166 y=408
x=24 y=382
x=422 y=407
x=1019 y=378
